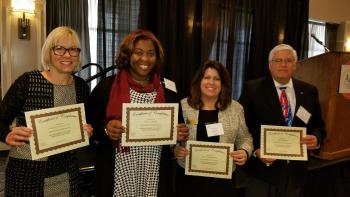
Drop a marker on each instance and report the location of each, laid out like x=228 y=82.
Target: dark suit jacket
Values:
x=261 y=105
x=105 y=153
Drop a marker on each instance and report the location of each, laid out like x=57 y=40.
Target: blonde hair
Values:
x=52 y=40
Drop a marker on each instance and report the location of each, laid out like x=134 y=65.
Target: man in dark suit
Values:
x=261 y=101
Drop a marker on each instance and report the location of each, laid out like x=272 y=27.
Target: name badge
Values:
x=170 y=85
x=214 y=129
x=303 y=114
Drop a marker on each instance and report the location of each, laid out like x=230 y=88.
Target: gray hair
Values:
x=283 y=47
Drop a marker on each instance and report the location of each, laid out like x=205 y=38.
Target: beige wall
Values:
x=335 y=11
x=18 y=56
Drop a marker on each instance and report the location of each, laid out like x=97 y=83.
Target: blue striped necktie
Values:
x=285 y=105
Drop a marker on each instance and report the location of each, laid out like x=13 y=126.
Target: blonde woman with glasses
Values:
x=52 y=86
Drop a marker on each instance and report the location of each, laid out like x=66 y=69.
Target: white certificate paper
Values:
x=344 y=81
x=56 y=130
x=282 y=142
x=209 y=159
x=149 y=124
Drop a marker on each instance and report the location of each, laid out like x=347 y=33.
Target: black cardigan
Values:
x=31 y=91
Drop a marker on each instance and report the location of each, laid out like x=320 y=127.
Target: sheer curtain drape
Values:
x=232 y=39
x=73 y=14
x=274 y=22
x=238 y=33
x=116 y=18
x=193 y=31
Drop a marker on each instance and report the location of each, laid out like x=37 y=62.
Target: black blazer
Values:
x=261 y=105
x=105 y=153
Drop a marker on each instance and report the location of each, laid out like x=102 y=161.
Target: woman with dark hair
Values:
x=210 y=102
x=140 y=170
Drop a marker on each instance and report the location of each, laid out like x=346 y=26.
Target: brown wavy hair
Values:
x=127 y=48
x=224 y=100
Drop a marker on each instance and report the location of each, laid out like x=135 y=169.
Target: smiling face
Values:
x=64 y=64
x=282 y=66
x=210 y=84
x=142 y=60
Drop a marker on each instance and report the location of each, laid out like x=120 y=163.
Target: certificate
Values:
x=149 y=124
x=209 y=159
x=344 y=81
x=282 y=142
x=56 y=130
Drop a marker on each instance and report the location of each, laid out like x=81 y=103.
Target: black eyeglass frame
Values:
x=70 y=50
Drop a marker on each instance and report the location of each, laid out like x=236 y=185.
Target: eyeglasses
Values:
x=280 y=61
x=60 y=50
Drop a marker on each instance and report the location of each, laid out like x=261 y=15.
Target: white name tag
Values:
x=303 y=114
x=170 y=85
x=214 y=129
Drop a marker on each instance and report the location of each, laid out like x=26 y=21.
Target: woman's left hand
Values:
x=182 y=132
x=88 y=128
x=239 y=157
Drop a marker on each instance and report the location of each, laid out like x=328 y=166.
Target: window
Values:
x=317 y=31
x=121 y=17
x=93 y=37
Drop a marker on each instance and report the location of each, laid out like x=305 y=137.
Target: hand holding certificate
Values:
x=56 y=130
x=209 y=159
x=282 y=142
x=149 y=124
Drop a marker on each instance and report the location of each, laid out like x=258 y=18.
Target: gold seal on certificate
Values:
x=344 y=81
x=149 y=124
x=209 y=159
x=282 y=142
x=56 y=130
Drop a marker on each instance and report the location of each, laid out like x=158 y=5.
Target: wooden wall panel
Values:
x=323 y=71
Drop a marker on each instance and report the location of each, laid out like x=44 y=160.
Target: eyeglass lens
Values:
x=286 y=61
x=59 y=50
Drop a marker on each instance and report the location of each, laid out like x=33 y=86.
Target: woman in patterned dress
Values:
x=134 y=171
x=54 y=86
x=210 y=102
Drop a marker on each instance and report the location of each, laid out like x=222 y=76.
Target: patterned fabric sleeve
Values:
x=244 y=139
x=12 y=104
